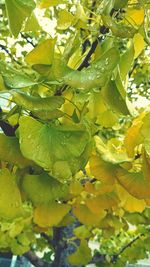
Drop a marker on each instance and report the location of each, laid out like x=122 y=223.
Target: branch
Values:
x=2 y=47
x=85 y=62
x=129 y=244
x=24 y=36
x=35 y=260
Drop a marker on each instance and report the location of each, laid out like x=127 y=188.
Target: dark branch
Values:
x=35 y=260
x=2 y=47
x=29 y=41
x=8 y=129
x=85 y=62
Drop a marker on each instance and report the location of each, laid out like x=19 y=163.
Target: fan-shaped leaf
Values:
x=51 y=214
x=34 y=103
x=97 y=75
x=10 y=151
x=17 y=12
x=10 y=199
x=43 y=188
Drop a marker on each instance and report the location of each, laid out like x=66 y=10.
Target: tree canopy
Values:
x=74 y=145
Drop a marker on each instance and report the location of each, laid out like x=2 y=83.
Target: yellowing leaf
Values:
x=107 y=119
x=42 y=188
x=82 y=256
x=128 y=202
x=17 y=12
x=51 y=214
x=104 y=201
x=65 y=20
x=102 y=170
x=87 y=217
x=137 y=184
x=135 y=16
x=52 y=146
x=132 y=137
x=48 y=3
x=43 y=53
x=10 y=151
x=32 y=24
x=139 y=44
x=10 y=198
x=75 y=188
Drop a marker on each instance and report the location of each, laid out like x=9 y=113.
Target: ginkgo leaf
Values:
x=112 y=96
x=43 y=188
x=48 y=145
x=43 y=53
x=65 y=20
x=15 y=78
x=82 y=256
x=139 y=44
x=34 y=103
x=104 y=201
x=128 y=202
x=10 y=198
x=135 y=16
x=97 y=75
x=136 y=183
x=102 y=170
x=111 y=154
x=126 y=60
x=107 y=119
x=85 y=216
x=32 y=24
x=48 y=115
x=133 y=135
x=82 y=232
x=119 y=30
x=10 y=151
x=48 y=3
x=17 y=12
x=51 y=214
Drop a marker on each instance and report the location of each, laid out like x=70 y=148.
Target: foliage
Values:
x=74 y=148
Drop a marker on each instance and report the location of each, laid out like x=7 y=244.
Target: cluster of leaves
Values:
x=72 y=144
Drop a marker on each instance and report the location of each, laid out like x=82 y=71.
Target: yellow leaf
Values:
x=135 y=16
x=102 y=170
x=104 y=201
x=136 y=183
x=139 y=44
x=42 y=53
x=10 y=198
x=128 y=202
x=48 y=3
x=87 y=217
x=65 y=20
x=75 y=188
x=51 y=214
x=82 y=255
x=133 y=138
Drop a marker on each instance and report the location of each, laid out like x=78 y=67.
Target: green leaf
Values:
x=32 y=24
x=97 y=75
x=43 y=188
x=10 y=151
x=65 y=20
x=15 y=78
x=82 y=256
x=34 y=103
x=59 y=149
x=10 y=199
x=112 y=96
x=109 y=152
x=43 y=53
x=17 y=12
x=119 y=30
